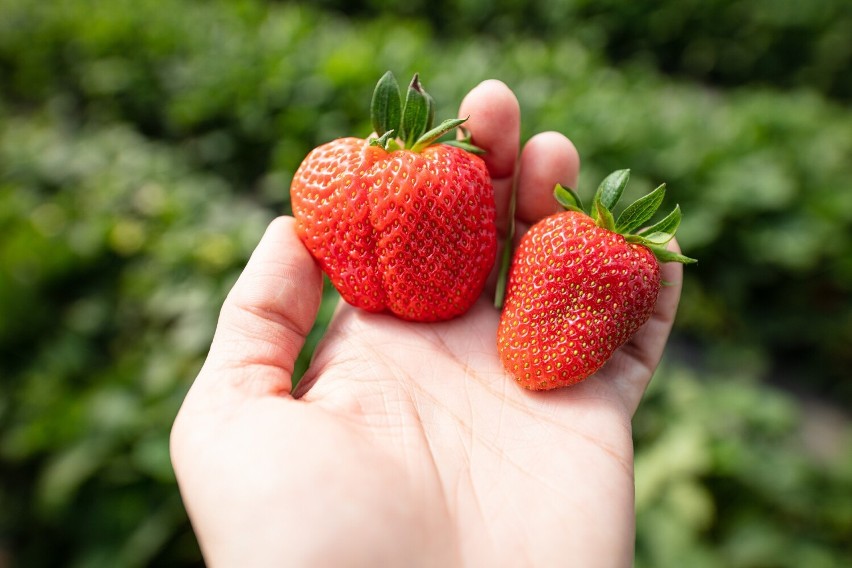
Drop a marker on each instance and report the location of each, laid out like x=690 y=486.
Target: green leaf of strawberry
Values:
x=568 y=198
x=386 y=108
x=430 y=137
x=409 y=125
x=611 y=188
x=580 y=286
x=640 y=211
x=404 y=225
x=667 y=225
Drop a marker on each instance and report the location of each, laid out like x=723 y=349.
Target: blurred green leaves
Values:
x=145 y=145
x=788 y=44
x=115 y=254
x=728 y=473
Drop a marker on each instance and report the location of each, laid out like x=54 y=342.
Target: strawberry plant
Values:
x=580 y=286
x=400 y=222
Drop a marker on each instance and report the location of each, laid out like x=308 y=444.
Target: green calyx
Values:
x=409 y=123
x=632 y=218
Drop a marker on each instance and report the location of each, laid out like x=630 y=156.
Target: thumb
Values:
x=266 y=316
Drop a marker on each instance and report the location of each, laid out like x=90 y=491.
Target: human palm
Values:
x=407 y=444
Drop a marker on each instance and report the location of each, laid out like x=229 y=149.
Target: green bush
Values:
x=115 y=253
x=145 y=145
x=732 y=473
x=771 y=42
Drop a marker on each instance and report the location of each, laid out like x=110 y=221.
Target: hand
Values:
x=407 y=444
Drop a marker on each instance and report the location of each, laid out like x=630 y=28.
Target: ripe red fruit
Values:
x=580 y=287
x=404 y=225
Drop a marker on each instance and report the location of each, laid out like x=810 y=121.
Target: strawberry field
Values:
x=145 y=145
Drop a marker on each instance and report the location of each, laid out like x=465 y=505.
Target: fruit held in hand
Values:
x=581 y=286
x=399 y=222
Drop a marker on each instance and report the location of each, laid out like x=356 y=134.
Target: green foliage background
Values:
x=145 y=144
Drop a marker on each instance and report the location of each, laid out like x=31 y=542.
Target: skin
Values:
x=407 y=444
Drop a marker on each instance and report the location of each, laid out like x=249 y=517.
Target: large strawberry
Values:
x=580 y=286
x=400 y=222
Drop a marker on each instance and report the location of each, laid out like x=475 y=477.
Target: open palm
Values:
x=407 y=444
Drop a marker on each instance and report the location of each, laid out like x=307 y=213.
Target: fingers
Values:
x=266 y=316
x=635 y=363
x=547 y=159
x=494 y=125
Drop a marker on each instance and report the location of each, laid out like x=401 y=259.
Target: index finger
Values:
x=548 y=158
x=495 y=126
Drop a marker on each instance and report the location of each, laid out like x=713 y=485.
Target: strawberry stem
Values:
x=508 y=247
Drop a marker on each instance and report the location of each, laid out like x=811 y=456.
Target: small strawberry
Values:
x=580 y=287
x=399 y=222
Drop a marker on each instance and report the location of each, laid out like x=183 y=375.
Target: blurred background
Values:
x=145 y=145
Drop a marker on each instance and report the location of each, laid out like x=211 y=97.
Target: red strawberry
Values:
x=405 y=225
x=580 y=287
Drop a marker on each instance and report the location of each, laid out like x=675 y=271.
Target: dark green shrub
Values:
x=784 y=44
x=145 y=145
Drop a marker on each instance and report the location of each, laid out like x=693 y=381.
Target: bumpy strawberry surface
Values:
x=580 y=286
x=576 y=293
x=409 y=232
